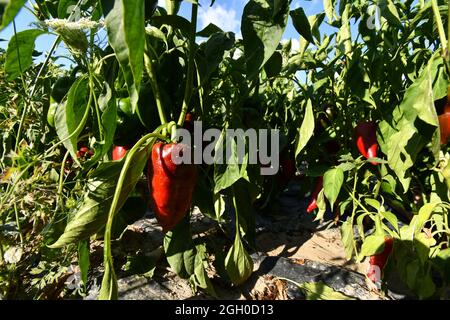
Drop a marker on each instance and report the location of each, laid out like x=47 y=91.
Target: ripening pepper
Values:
x=189 y=122
x=119 y=152
x=379 y=260
x=444 y=120
x=312 y=205
x=171 y=185
x=366 y=139
x=287 y=170
x=85 y=152
x=447 y=105
x=444 y=126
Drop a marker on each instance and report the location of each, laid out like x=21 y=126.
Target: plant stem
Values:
x=47 y=59
x=190 y=70
x=448 y=34
x=440 y=26
x=97 y=110
x=24 y=85
x=61 y=180
x=1 y=251
x=149 y=67
x=352 y=194
x=18 y=223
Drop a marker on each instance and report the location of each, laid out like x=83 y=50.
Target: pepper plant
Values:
x=360 y=110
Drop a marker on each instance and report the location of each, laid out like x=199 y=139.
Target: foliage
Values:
x=55 y=200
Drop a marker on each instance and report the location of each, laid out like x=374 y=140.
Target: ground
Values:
x=290 y=245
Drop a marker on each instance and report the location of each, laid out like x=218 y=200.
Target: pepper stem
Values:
x=440 y=26
x=149 y=67
x=191 y=62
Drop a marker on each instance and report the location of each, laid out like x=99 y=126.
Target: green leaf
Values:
x=133 y=164
x=180 y=250
x=392 y=218
x=172 y=6
x=19 y=53
x=83 y=260
x=174 y=21
x=92 y=215
x=306 y=130
x=274 y=65
x=70 y=121
x=200 y=276
x=412 y=270
x=395 y=145
x=225 y=175
x=425 y=286
x=238 y=263
x=63 y=7
x=424 y=215
x=108 y=107
x=156 y=33
x=390 y=13
x=315 y=21
x=209 y=30
x=126 y=35
x=141 y=264
x=243 y=204
x=261 y=33
x=10 y=10
x=360 y=225
x=321 y=205
x=403 y=142
x=320 y=291
x=373 y=203
x=212 y=53
x=328 y=6
x=373 y=244
x=332 y=183
x=301 y=23
x=109 y=289
x=344 y=38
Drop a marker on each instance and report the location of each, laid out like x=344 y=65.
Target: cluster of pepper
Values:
x=171 y=185
x=366 y=142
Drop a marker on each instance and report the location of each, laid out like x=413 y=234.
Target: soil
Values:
x=289 y=245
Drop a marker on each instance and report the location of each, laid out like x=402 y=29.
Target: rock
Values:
x=141 y=288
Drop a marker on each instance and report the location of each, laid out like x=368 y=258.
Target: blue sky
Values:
x=224 y=13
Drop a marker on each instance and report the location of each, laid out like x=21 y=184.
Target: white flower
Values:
x=83 y=23
x=13 y=255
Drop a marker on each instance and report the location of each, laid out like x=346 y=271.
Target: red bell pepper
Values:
x=312 y=205
x=189 y=122
x=444 y=125
x=447 y=105
x=84 y=152
x=171 y=185
x=287 y=170
x=378 y=261
x=366 y=139
x=119 y=152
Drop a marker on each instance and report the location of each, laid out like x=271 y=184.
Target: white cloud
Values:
x=295 y=44
x=223 y=18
